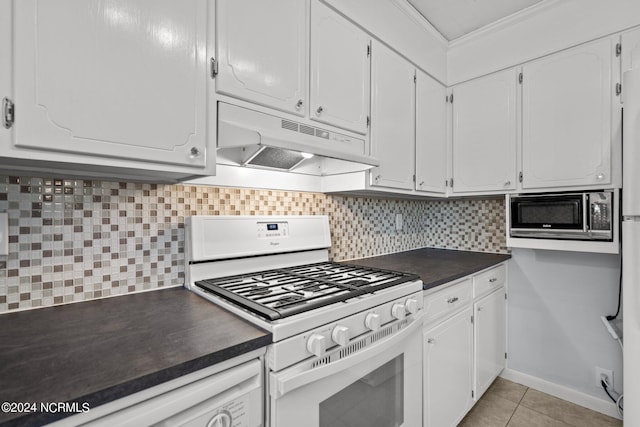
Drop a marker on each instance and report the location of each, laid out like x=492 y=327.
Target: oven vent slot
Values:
x=321 y=362
x=383 y=333
x=353 y=348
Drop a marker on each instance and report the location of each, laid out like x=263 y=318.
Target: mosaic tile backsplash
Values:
x=73 y=240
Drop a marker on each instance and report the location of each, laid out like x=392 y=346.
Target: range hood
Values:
x=254 y=139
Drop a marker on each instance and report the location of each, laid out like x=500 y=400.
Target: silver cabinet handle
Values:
x=319 y=110
x=431 y=341
x=507 y=183
x=452 y=300
x=377 y=178
x=600 y=176
x=479 y=309
x=299 y=104
x=195 y=152
x=421 y=183
x=493 y=279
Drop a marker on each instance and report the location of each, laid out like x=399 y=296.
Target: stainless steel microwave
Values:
x=570 y=216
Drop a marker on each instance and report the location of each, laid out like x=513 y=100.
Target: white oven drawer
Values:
x=447 y=300
x=489 y=280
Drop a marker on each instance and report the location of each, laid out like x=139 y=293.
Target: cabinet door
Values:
x=392 y=119
x=262 y=52
x=431 y=135
x=448 y=375
x=630 y=50
x=485 y=134
x=566 y=118
x=489 y=321
x=340 y=70
x=5 y=67
x=123 y=78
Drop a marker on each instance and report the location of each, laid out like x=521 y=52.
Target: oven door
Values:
x=375 y=386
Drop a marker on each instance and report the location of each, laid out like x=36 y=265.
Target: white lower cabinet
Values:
x=489 y=339
x=448 y=371
x=464 y=344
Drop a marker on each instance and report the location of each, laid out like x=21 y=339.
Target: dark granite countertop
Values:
x=102 y=350
x=434 y=266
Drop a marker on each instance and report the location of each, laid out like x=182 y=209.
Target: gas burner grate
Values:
x=283 y=292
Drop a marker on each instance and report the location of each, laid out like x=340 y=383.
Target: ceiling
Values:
x=455 y=18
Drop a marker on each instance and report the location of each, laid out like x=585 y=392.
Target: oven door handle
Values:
x=283 y=384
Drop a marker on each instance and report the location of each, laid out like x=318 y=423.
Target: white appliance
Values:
x=222 y=395
x=252 y=138
x=347 y=344
x=631 y=246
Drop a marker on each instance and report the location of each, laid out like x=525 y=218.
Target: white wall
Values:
x=388 y=21
x=554 y=331
x=553 y=25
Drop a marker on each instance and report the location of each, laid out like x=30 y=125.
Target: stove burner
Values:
x=358 y=282
x=256 y=290
x=289 y=300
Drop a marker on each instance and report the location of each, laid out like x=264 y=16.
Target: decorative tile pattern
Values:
x=73 y=240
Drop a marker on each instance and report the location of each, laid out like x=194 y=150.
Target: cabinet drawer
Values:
x=489 y=280
x=447 y=300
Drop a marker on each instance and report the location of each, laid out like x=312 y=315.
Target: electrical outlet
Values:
x=608 y=373
x=399 y=222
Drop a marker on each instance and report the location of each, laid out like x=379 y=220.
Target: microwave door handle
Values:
x=283 y=384
x=586 y=214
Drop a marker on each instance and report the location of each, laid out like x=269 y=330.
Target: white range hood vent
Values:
x=254 y=139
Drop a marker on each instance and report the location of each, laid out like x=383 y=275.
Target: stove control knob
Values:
x=372 y=321
x=317 y=345
x=411 y=305
x=398 y=311
x=340 y=335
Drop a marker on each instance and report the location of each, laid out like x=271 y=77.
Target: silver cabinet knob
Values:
x=431 y=341
x=493 y=279
x=299 y=104
x=195 y=152
x=479 y=309
x=377 y=178
x=600 y=176
x=319 y=110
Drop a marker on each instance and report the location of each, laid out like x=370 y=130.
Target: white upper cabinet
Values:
x=5 y=66
x=567 y=117
x=485 y=134
x=262 y=52
x=630 y=50
x=340 y=70
x=489 y=322
x=431 y=135
x=392 y=118
x=123 y=79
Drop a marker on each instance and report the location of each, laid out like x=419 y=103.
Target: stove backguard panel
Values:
x=72 y=239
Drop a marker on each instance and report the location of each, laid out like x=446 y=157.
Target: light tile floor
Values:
x=507 y=404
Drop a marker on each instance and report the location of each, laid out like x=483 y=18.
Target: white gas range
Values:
x=340 y=332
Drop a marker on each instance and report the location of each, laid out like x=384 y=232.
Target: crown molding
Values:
x=507 y=21
x=416 y=17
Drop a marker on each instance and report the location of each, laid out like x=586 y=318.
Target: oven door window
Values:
x=552 y=213
x=375 y=400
